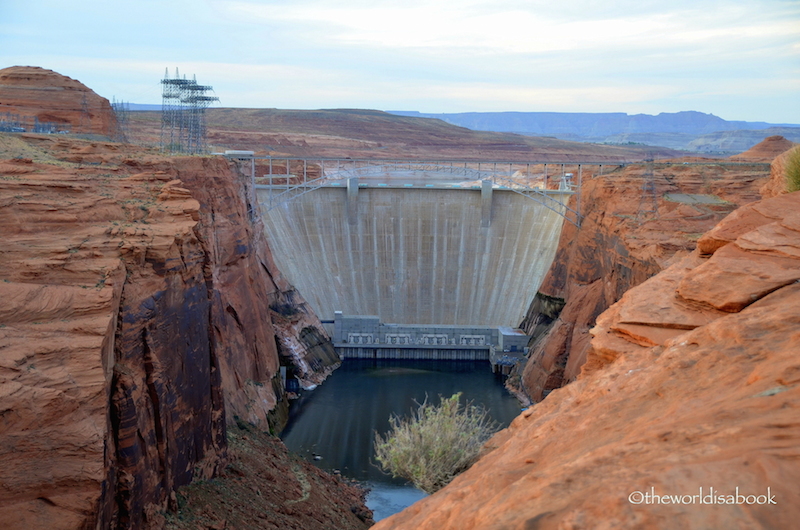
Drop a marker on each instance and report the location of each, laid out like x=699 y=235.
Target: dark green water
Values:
x=337 y=421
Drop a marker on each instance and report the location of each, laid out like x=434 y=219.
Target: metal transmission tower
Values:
x=648 y=202
x=86 y=116
x=121 y=115
x=172 y=112
x=196 y=102
x=183 y=108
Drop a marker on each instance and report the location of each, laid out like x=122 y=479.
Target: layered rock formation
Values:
x=628 y=234
x=685 y=414
x=30 y=92
x=770 y=148
x=138 y=305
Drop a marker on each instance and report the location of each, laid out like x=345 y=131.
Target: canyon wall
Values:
x=141 y=311
x=684 y=414
x=629 y=233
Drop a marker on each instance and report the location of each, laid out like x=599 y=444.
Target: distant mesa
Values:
x=35 y=98
x=594 y=124
x=688 y=130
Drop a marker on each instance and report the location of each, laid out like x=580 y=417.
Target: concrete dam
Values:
x=420 y=253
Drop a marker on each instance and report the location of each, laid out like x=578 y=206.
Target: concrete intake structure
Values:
x=366 y=337
x=416 y=255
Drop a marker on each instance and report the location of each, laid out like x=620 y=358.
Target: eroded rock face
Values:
x=627 y=236
x=766 y=150
x=136 y=320
x=32 y=92
x=257 y=316
x=676 y=395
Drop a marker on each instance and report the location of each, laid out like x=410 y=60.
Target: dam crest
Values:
x=415 y=245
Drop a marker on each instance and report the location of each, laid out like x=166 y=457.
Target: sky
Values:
x=736 y=59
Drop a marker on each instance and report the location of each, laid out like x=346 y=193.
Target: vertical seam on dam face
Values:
x=415 y=256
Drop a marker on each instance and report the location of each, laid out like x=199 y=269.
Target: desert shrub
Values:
x=793 y=170
x=435 y=443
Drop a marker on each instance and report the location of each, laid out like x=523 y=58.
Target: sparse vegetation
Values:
x=435 y=444
x=793 y=170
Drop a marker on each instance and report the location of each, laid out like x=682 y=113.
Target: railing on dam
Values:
x=287 y=178
x=545 y=182
x=414 y=254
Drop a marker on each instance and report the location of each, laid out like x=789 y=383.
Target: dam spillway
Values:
x=416 y=255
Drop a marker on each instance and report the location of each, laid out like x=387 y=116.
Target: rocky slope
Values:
x=264 y=487
x=692 y=384
x=30 y=92
x=627 y=235
x=141 y=312
x=778 y=180
x=767 y=150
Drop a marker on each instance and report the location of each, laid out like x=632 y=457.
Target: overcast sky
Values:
x=737 y=59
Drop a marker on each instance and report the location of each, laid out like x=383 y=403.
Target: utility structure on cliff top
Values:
x=183 y=114
x=122 y=117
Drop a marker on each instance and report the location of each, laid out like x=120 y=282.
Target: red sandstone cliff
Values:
x=628 y=234
x=141 y=311
x=30 y=92
x=692 y=381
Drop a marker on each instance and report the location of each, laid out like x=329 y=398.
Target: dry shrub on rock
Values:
x=434 y=444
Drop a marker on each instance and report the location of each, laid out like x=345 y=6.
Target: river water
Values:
x=333 y=426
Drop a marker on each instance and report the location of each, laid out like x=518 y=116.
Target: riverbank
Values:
x=334 y=426
x=265 y=486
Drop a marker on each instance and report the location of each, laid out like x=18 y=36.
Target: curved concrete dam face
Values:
x=415 y=256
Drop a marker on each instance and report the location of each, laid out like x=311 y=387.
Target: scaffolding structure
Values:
x=44 y=127
x=183 y=114
x=16 y=123
x=11 y=123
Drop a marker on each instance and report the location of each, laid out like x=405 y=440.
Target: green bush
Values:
x=435 y=444
x=793 y=170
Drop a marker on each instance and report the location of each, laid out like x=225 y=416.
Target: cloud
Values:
x=514 y=27
x=431 y=55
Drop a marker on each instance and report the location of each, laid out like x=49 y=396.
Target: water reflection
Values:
x=334 y=425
